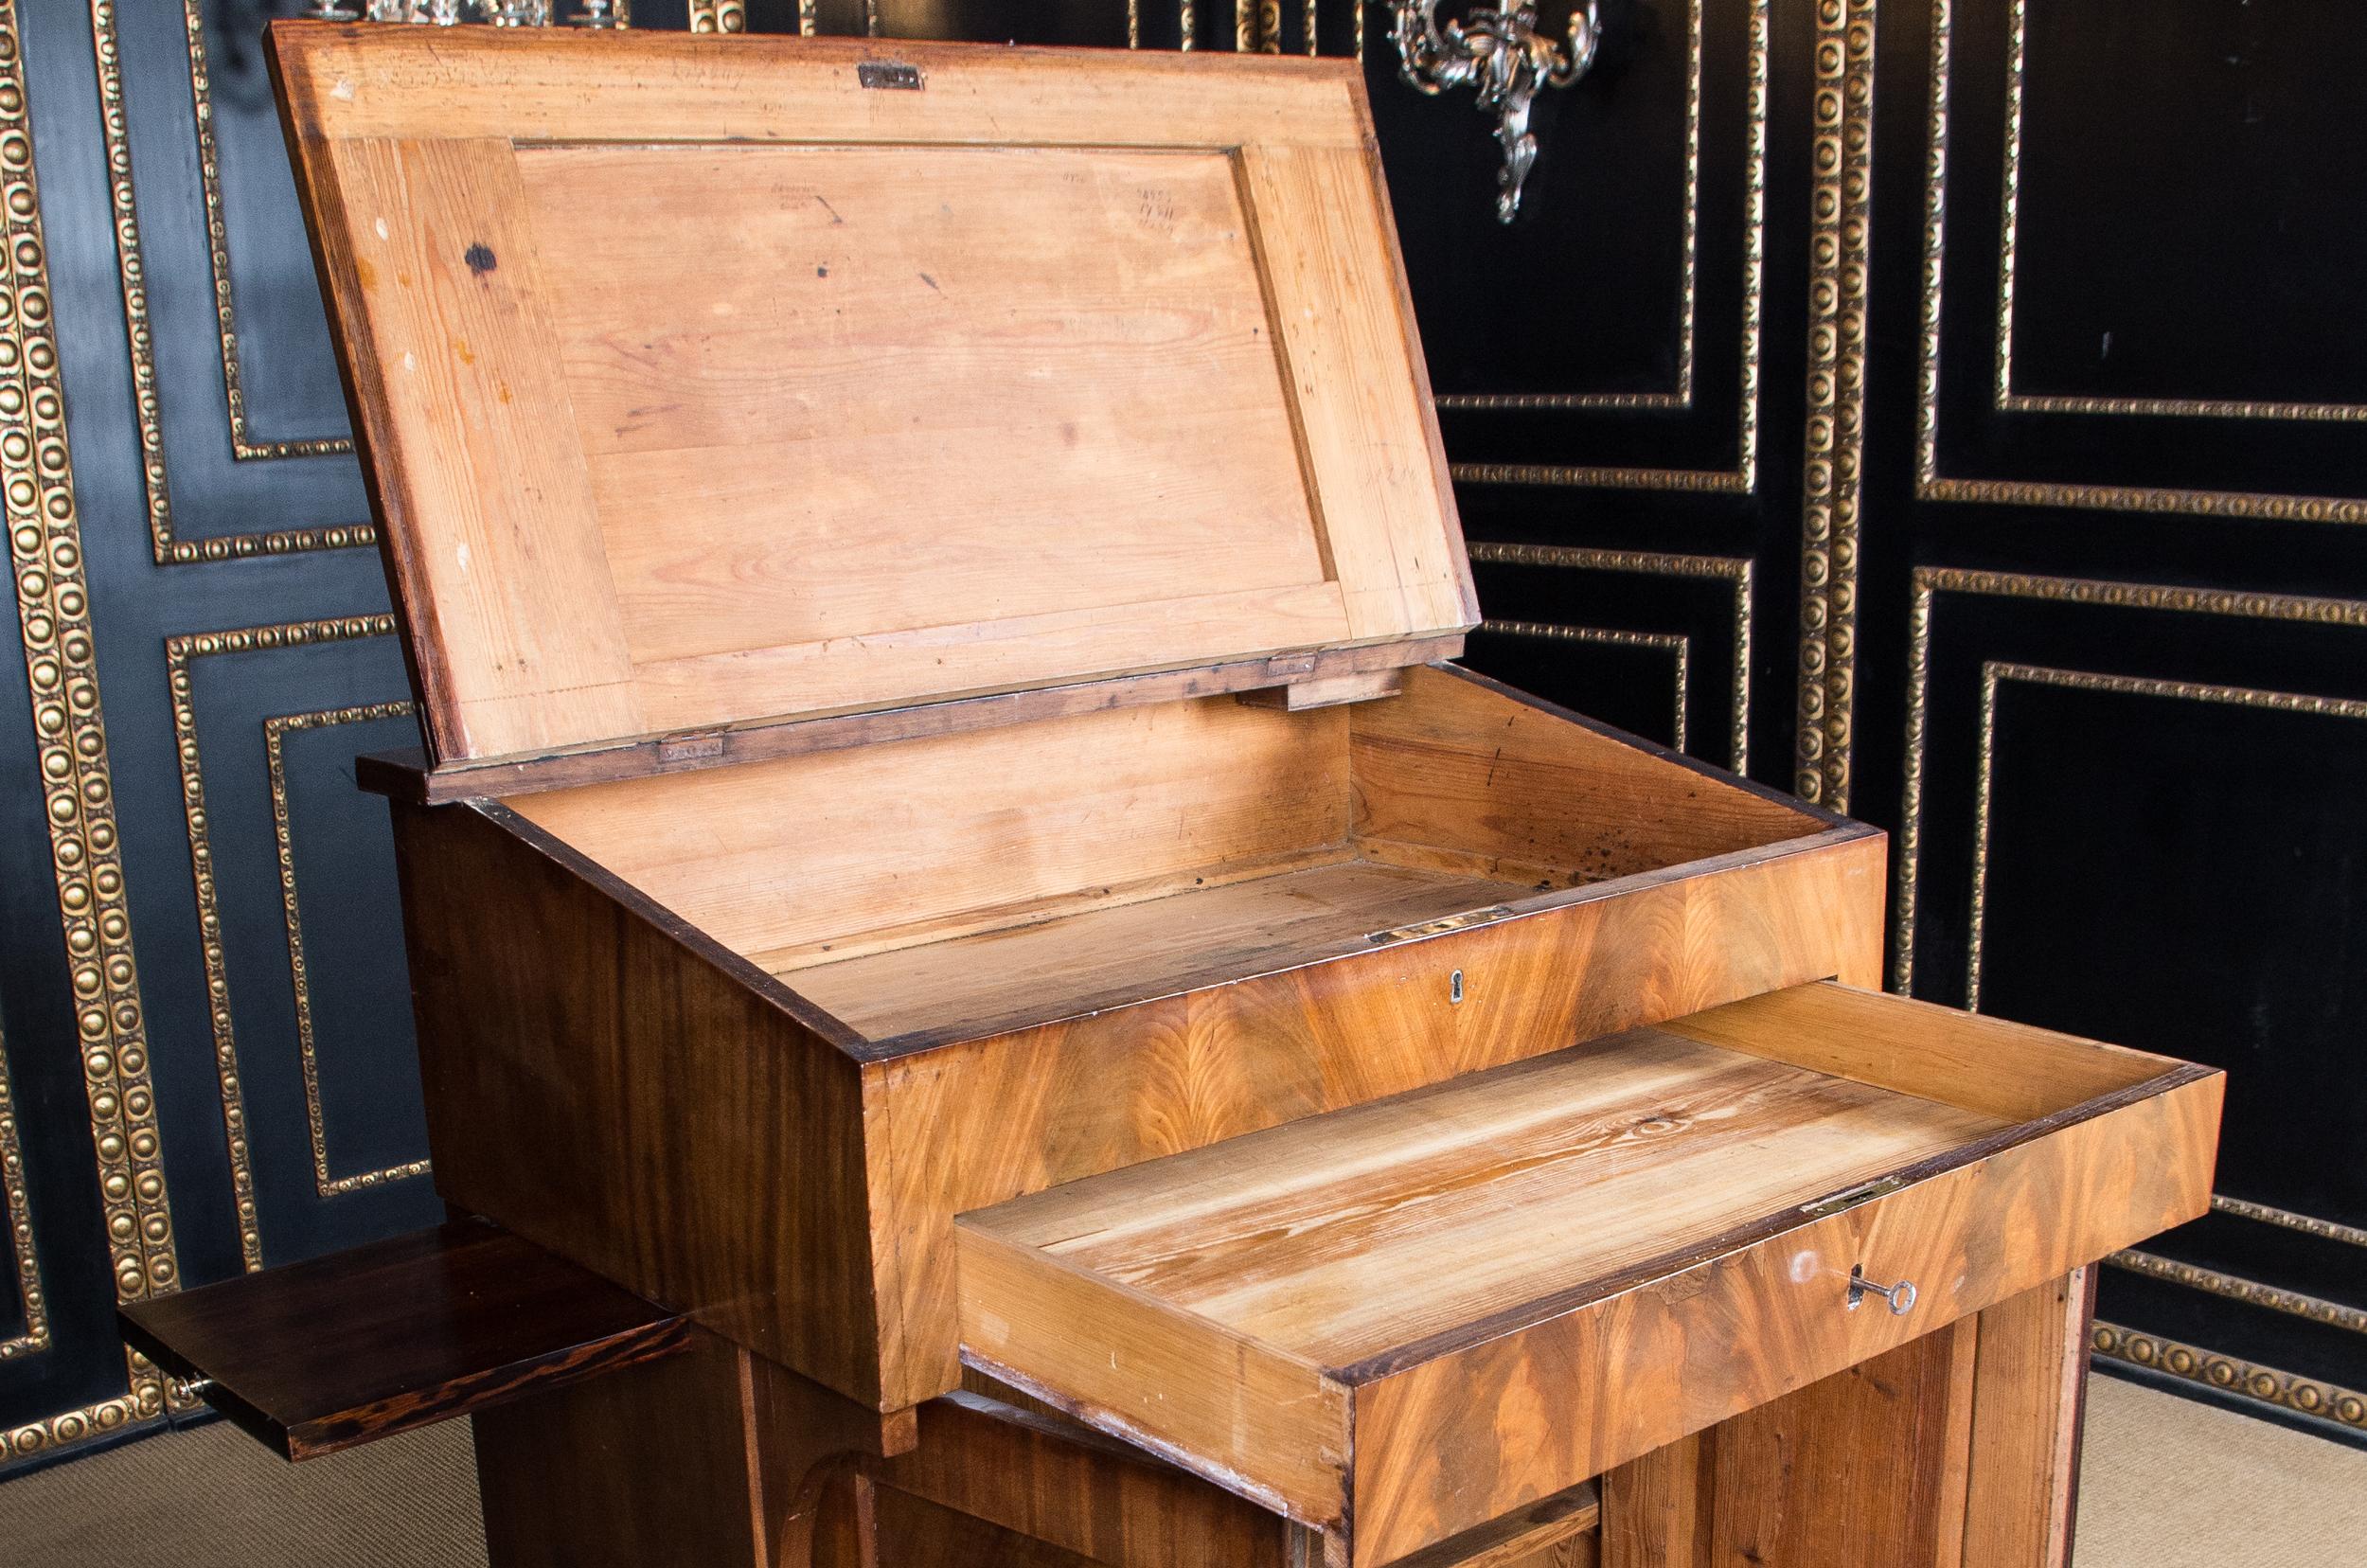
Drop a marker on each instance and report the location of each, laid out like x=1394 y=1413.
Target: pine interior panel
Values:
x=965 y=403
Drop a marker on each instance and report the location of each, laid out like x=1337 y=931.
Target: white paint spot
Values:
x=343 y=92
x=381 y=229
x=410 y=361
x=1805 y=1264
x=461 y=555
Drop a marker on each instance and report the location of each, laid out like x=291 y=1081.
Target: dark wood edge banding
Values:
x=408 y=775
x=1109 y=1422
x=1528 y=1314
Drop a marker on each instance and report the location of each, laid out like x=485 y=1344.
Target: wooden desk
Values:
x=948 y=858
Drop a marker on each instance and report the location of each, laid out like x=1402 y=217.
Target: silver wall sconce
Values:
x=1502 y=55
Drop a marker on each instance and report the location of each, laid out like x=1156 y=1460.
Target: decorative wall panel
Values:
x=2107 y=586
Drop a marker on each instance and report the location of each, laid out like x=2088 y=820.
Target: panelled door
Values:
x=1951 y=409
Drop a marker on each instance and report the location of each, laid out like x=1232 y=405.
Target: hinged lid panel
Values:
x=707 y=384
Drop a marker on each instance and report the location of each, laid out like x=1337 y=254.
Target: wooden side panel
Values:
x=1954 y=1449
x=655 y=1464
x=1463 y=765
x=1071 y=1488
x=1494 y=1426
x=1657 y=1508
x=490 y=529
x=1867 y=1466
x=911 y=1529
x=601 y=1088
x=1388 y=513
x=1181 y=1387
x=977 y=1122
x=849 y=849
x=1987 y=1064
x=2029 y=1386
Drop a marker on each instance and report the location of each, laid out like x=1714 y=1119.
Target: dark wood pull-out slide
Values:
x=318 y=1356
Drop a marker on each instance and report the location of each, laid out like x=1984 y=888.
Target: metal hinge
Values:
x=882 y=73
x=1851 y=1199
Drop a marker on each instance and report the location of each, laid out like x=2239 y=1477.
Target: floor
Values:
x=2165 y=1484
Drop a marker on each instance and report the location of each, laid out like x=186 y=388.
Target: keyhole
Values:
x=1455 y=987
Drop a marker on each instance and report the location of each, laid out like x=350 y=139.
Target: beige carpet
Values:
x=2166 y=1484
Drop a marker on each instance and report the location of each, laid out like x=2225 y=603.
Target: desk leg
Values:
x=713 y=1459
x=1957 y=1450
x=2029 y=1397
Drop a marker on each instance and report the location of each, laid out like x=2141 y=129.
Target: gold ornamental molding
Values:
x=2309 y=1224
x=1995 y=673
x=1735 y=571
x=2250 y=1291
x=2229 y=1375
x=1743 y=477
x=17 y=1209
x=1832 y=477
x=1930 y=485
x=1680 y=396
x=2048 y=403
x=276 y=730
x=1673 y=642
x=139 y=328
x=244 y=444
x=1931 y=581
x=53 y=616
x=2234 y=1376
x=181 y=653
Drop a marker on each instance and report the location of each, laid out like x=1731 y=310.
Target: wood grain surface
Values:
x=313 y=1357
x=1067 y=965
x=2030 y=1385
x=888 y=845
x=965 y=403
x=971 y=1122
x=603 y=1083
x=1957 y=1450
x=596 y=1028
x=1350 y=1237
x=1372 y=1303
x=1871 y=1460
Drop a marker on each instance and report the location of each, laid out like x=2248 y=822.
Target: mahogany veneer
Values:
x=319 y=1356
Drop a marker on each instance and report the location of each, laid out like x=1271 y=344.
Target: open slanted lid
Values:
x=713 y=383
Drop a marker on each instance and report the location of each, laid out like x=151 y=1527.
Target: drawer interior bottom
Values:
x=1361 y=1233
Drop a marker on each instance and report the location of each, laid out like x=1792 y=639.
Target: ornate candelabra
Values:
x=1502 y=55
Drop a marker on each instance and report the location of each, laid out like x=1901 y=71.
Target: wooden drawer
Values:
x=1397 y=1321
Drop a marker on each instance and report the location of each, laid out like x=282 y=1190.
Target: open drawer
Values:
x=1398 y=1320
